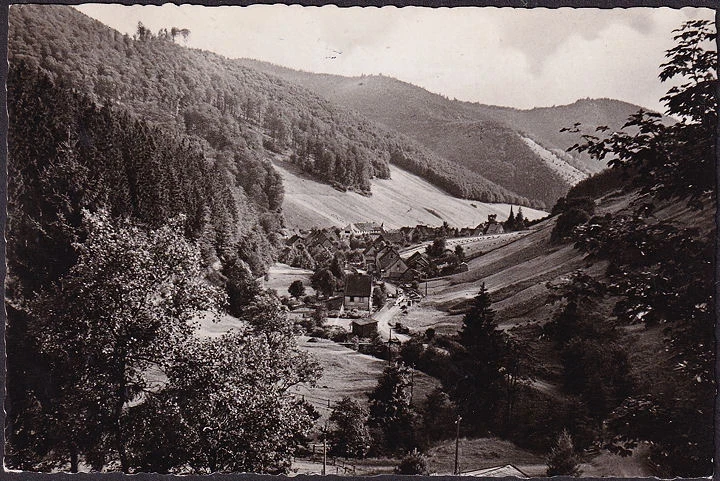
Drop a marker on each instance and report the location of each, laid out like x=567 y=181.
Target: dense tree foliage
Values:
x=129 y=298
x=349 y=436
x=414 y=463
x=226 y=404
x=678 y=160
x=297 y=289
x=244 y=116
x=477 y=386
x=660 y=273
x=94 y=306
x=68 y=154
x=391 y=412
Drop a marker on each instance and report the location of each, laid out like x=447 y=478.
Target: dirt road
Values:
x=386 y=317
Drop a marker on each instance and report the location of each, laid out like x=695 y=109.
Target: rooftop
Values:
x=358 y=285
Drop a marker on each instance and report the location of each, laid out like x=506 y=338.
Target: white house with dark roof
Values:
x=359 y=229
x=358 y=292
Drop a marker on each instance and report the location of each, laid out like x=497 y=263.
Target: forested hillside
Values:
x=120 y=234
x=547 y=124
x=240 y=113
x=481 y=138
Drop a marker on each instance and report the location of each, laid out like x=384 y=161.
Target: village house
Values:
x=466 y=232
x=295 y=241
x=370 y=252
x=506 y=471
x=418 y=261
x=358 y=292
x=394 y=237
x=386 y=256
x=359 y=229
x=423 y=233
x=410 y=275
x=493 y=226
x=408 y=233
x=320 y=239
x=395 y=269
x=478 y=231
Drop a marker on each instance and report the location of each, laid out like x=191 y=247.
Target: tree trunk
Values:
x=74 y=459
x=119 y=404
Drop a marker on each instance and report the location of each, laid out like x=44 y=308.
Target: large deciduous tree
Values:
x=662 y=271
x=349 y=435
x=676 y=160
x=227 y=407
x=132 y=294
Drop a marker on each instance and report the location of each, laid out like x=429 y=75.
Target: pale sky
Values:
x=502 y=56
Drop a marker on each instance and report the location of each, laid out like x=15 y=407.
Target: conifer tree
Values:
x=562 y=460
x=509 y=224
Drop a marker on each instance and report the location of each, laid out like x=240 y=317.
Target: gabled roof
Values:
x=367 y=226
x=295 y=238
x=497 y=472
x=495 y=229
x=395 y=237
x=411 y=274
x=387 y=256
x=419 y=254
x=364 y=322
x=370 y=249
x=358 y=285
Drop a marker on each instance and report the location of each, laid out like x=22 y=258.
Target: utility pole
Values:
x=456 y=471
x=389 y=349
x=325 y=449
x=412 y=382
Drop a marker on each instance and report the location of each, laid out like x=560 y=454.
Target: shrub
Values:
x=414 y=463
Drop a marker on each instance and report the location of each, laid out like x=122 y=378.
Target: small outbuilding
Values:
x=364 y=327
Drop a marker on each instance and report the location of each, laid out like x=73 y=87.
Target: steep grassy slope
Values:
x=517 y=273
x=404 y=199
x=349 y=373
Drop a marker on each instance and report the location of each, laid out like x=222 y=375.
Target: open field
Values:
x=403 y=200
x=280 y=276
x=349 y=373
x=483 y=453
x=470 y=245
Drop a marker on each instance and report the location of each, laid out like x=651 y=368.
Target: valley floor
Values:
x=516 y=273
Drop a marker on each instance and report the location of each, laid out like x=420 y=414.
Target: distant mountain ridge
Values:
x=490 y=140
x=246 y=116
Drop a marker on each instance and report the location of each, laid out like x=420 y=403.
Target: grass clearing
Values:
x=280 y=276
x=483 y=453
x=348 y=373
x=405 y=199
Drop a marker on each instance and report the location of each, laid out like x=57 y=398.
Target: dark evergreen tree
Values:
x=510 y=223
x=390 y=410
x=477 y=386
x=562 y=460
x=296 y=289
